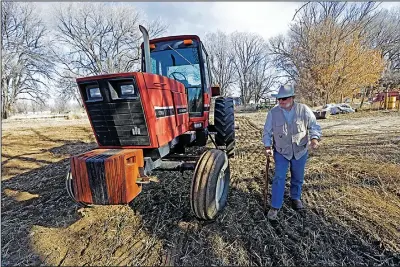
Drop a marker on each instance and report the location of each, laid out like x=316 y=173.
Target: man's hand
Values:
x=314 y=144
x=268 y=151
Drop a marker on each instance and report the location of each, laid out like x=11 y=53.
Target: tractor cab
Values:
x=184 y=59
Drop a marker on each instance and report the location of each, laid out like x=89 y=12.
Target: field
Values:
x=352 y=195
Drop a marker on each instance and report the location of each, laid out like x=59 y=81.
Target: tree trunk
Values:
x=362 y=101
x=4 y=114
x=387 y=98
x=4 y=110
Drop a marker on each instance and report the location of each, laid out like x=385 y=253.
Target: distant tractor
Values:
x=143 y=121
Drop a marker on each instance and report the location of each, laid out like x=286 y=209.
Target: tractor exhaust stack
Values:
x=146 y=50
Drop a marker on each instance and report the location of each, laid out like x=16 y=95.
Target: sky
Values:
x=267 y=19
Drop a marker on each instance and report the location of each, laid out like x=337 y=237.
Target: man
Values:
x=290 y=125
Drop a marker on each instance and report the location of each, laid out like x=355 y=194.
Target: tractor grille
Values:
x=119 y=123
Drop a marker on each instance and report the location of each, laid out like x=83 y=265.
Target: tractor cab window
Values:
x=187 y=74
x=183 y=65
x=206 y=72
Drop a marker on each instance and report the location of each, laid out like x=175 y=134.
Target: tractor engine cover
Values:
x=106 y=176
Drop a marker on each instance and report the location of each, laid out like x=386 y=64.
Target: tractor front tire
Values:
x=224 y=121
x=210 y=184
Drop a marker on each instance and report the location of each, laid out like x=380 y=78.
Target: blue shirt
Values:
x=313 y=127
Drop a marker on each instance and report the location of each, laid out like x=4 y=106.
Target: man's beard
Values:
x=288 y=105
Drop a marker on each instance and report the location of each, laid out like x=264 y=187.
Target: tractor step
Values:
x=167 y=165
x=146 y=179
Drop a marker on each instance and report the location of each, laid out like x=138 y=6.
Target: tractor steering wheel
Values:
x=180 y=73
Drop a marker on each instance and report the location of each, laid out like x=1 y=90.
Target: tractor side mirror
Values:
x=215 y=90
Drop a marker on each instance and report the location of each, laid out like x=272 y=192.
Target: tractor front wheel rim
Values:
x=220 y=188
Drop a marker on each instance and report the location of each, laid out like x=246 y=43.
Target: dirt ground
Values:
x=351 y=191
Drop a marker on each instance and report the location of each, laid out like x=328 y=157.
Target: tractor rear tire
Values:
x=224 y=121
x=210 y=184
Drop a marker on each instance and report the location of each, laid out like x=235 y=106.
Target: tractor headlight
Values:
x=122 y=88
x=94 y=93
x=127 y=89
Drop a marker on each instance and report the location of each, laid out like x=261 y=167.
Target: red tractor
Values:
x=144 y=121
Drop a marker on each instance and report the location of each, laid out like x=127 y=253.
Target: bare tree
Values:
x=98 y=38
x=21 y=107
x=67 y=88
x=262 y=78
x=249 y=51
x=221 y=60
x=60 y=105
x=36 y=107
x=26 y=61
x=283 y=59
x=325 y=52
x=384 y=34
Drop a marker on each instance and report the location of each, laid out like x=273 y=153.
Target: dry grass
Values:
x=352 y=193
x=25 y=149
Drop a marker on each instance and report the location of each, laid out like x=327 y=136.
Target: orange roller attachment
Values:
x=106 y=176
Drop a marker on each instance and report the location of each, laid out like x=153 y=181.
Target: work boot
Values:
x=272 y=214
x=297 y=205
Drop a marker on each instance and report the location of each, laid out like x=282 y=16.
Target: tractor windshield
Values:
x=183 y=65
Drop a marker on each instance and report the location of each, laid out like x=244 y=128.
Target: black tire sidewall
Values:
x=221 y=134
x=211 y=200
x=204 y=202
